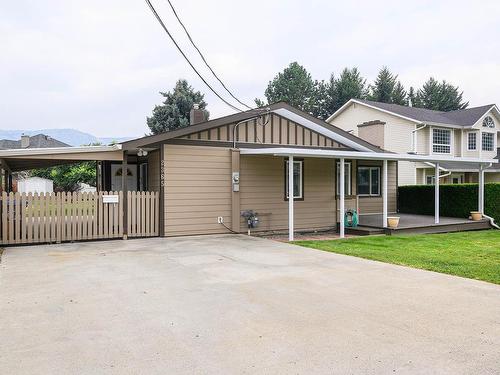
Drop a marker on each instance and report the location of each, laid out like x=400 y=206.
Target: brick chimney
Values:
x=196 y=115
x=25 y=141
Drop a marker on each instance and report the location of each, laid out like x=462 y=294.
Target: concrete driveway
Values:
x=236 y=305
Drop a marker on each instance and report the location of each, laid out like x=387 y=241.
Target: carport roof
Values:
x=25 y=159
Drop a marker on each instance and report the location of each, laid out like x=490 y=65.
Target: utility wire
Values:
x=203 y=57
x=187 y=59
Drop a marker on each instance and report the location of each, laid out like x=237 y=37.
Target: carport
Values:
x=121 y=207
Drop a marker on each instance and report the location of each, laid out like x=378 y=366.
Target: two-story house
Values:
x=471 y=132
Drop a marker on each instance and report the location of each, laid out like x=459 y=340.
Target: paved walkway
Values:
x=236 y=305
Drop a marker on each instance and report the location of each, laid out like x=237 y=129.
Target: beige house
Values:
x=210 y=172
x=472 y=132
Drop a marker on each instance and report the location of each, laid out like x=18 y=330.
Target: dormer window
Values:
x=441 y=141
x=488 y=122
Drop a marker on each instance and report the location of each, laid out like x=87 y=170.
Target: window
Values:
x=298 y=180
x=488 y=142
x=429 y=180
x=441 y=141
x=471 y=141
x=368 y=180
x=457 y=179
x=347 y=178
x=488 y=122
x=143 y=177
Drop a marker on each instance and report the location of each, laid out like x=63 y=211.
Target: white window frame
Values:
x=370 y=168
x=442 y=144
x=492 y=141
x=432 y=179
x=347 y=177
x=301 y=177
x=475 y=141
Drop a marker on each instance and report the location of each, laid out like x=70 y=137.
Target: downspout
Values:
x=414 y=137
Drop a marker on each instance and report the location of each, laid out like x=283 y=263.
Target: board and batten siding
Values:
x=278 y=130
x=262 y=184
x=197 y=189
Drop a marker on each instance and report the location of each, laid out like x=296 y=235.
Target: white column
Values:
x=436 y=194
x=481 y=190
x=384 y=194
x=290 y=198
x=342 y=197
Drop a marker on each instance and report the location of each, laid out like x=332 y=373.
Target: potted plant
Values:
x=476 y=215
x=392 y=221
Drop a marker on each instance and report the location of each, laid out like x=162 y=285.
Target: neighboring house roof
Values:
x=463 y=117
x=280 y=108
x=35 y=141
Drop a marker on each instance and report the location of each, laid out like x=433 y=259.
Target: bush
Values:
x=454 y=200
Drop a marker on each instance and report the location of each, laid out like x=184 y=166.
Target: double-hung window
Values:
x=298 y=180
x=347 y=178
x=488 y=142
x=441 y=141
x=368 y=179
x=472 y=141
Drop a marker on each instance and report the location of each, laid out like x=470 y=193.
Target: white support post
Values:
x=481 y=190
x=436 y=194
x=290 y=198
x=342 y=198
x=384 y=194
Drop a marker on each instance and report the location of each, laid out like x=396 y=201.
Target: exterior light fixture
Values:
x=142 y=152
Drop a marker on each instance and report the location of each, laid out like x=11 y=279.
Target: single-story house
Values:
x=210 y=172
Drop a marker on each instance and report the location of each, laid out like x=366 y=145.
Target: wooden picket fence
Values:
x=143 y=213
x=59 y=217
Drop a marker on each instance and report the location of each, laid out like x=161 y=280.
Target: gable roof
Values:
x=35 y=141
x=281 y=108
x=461 y=117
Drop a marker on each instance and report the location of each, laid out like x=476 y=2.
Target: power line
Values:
x=203 y=57
x=187 y=59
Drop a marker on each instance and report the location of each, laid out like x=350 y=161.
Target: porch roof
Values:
x=31 y=158
x=337 y=154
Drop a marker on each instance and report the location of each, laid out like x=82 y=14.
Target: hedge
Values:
x=456 y=200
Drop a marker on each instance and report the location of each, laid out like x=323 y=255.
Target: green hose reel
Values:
x=351 y=218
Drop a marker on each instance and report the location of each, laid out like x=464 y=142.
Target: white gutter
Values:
x=320 y=129
x=57 y=150
x=322 y=153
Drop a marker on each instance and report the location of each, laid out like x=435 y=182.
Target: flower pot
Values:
x=476 y=216
x=393 y=221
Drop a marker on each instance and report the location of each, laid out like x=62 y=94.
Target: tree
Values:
x=383 y=87
x=294 y=86
x=440 y=96
x=399 y=95
x=68 y=177
x=174 y=112
x=350 y=85
x=412 y=97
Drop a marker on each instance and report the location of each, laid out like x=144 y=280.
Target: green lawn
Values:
x=475 y=255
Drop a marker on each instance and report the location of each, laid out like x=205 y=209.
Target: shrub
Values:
x=456 y=200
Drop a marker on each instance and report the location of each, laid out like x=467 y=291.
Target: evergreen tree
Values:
x=174 y=112
x=350 y=85
x=294 y=86
x=399 y=95
x=440 y=96
x=383 y=87
x=412 y=98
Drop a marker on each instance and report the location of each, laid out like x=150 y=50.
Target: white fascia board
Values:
x=341 y=109
x=57 y=150
x=478 y=122
x=320 y=129
x=322 y=153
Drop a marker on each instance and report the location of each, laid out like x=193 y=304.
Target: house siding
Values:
x=154 y=171
x=197 y=189
x=262 y=190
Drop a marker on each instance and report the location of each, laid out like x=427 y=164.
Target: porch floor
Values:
x=410 y=223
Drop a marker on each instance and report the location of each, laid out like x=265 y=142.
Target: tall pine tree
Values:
x=350 y=85
x=383 y=87
x=440 y=96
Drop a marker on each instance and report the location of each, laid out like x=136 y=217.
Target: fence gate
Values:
x=58 y=217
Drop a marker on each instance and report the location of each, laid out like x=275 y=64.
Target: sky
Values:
x=98 y=66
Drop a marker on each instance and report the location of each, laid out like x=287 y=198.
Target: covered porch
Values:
x=416 y=223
